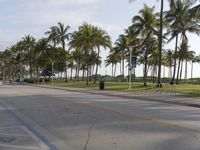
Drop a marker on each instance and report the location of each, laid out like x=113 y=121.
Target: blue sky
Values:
x=22 y=17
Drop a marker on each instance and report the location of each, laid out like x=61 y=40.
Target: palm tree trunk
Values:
x=112 y=70
x=87 y=80
x=66 y=80
x=123 y=63
x=181 y=70
x=30 y=70
x=145 y=67
x=186 y=70
x=79 y=64
x=78 y=73
x=71 y=73
x=83 y=75
x=160 y=45
x=120 y=67
x=175 y=57
x=97 y=63
x=115 y=70
x=164 y=71
x=178 y=71
x=191 y=71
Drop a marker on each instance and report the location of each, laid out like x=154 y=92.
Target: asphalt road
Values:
x=41 y=119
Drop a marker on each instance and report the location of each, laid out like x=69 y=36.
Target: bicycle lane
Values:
x=16 y=134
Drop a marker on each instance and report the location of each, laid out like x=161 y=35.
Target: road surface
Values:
x=33 y=118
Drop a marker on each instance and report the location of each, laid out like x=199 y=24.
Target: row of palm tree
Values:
x=142 y=38
x=80 y=50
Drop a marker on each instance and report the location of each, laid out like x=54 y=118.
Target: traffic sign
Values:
x=134 y=61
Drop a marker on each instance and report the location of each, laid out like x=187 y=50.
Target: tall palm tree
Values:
x=41 y=51
x=84 y=39
x=195 y=59
x=161 y=33
x=53 y=36
x=182 y=19
x=62 y=33
x=101 y=39
x=146 y=23
x=122 y=48
x=59 y=34
x=160 y=39
x=29 y=47
x=112 y=59
x=168 y=56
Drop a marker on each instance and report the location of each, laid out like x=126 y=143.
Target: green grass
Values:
x=114 y=86
x=190 y=90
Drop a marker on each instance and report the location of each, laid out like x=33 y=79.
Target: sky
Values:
x=22 y=17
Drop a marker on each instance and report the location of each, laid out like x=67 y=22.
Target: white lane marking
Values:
x=19 y=135
x=42 y=145
x=10 y=127
x=2 y=108
x=82 y=102
x=20 y=147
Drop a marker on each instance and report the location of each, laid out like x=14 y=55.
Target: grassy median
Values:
x=185 y=89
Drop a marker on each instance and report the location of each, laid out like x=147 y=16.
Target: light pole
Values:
x=52 y=66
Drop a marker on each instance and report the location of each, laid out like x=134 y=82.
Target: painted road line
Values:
x=2 y=108
x=29 y=127
x=10 y=126
x=35 y=138
x=19 y=135
x=20 y=147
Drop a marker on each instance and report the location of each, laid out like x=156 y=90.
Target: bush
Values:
x=29 y=80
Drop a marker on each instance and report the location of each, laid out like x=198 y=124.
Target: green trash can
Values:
x=101 y=85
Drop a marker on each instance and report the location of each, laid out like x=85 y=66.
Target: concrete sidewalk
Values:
x=175 y=99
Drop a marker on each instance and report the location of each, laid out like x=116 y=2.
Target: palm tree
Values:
x=112 y=59
x=181 y=20
x=58 y=34
x=62 y=33
x=145 y=23
x=160 y=39
x=29 y=47
x=101 y=39
x=78 y=58
x=184 y=55
x=122 y=48
x=168 y=57
x=84 y=39
x=53 y=36
x=195 y=59
x=194 y=9
x=41 y=52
